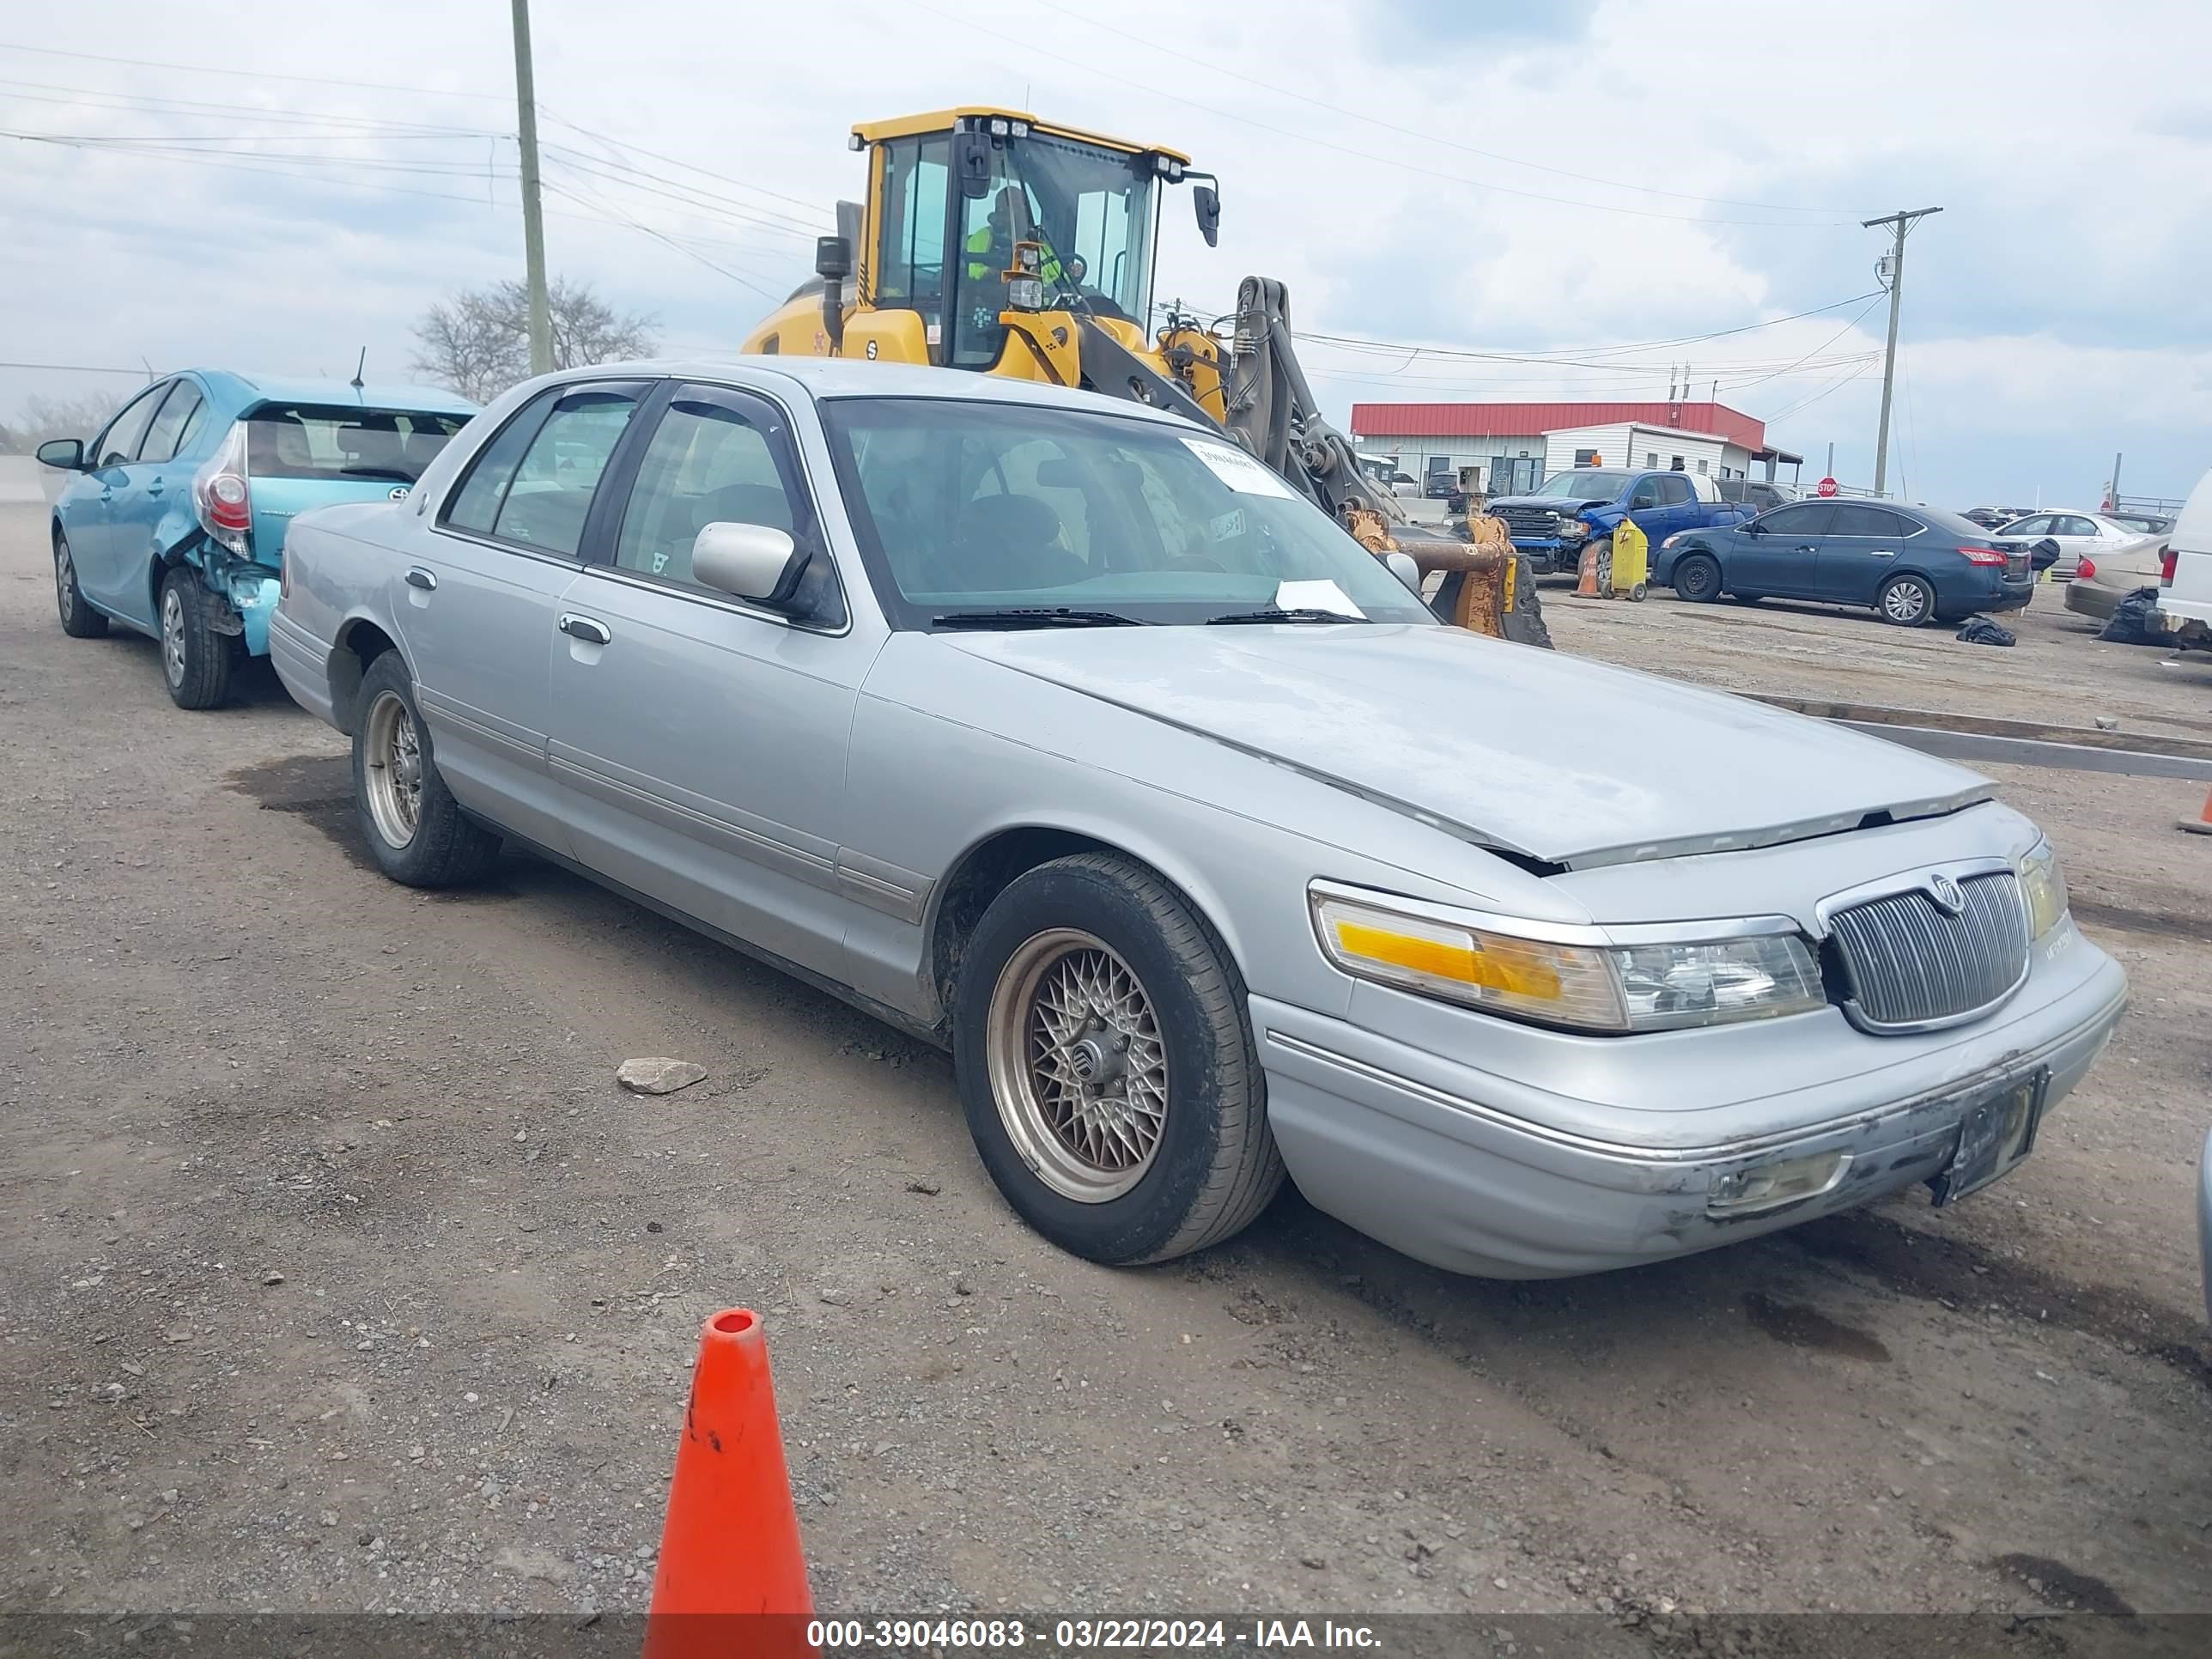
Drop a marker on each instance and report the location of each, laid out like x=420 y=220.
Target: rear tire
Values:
x=1906 y=601
x=195 y=660
x=415 y=829
x=1106 y=1068
x=79 y=620
x=1697 y=579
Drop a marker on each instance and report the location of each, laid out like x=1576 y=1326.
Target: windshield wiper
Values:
x=1277 y=614
x=1036 y=617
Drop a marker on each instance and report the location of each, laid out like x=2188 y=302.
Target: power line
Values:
x=685 y=195
x=256 y=73
x=199 y=109
x=1218 y=69
x=660 y=236
x=79 y=368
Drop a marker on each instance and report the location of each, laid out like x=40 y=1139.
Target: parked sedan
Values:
x=173 y=523
x=1062 y=732
x=2080 y=536
x=2102 y=579
x=1912 y=564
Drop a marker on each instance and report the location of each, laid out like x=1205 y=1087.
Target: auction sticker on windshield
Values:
x=1237 y=470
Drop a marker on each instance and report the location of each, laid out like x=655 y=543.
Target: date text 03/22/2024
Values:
x=1087 y=1635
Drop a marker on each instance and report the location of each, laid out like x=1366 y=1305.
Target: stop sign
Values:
x=1828 y=487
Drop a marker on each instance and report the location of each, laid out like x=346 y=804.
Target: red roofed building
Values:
x=1502 y=448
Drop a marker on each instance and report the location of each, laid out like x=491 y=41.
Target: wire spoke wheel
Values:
x=1078 y=1068
x=394 y=768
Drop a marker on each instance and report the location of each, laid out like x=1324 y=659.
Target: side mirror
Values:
x=971 y=164
x=1207 y=201
x=67 y=453
x=753 y=562
x=1403 y=567
x=833 y=258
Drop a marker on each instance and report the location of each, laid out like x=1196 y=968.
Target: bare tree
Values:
x=478 y=342
x=78 y=415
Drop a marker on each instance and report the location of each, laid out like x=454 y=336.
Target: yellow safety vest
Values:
x=979 y=241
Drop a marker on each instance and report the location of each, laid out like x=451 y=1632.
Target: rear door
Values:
x=699 y=740
x=96 y=541
x=477 y=611
x=1778 y=552
x=1678 y=506
x=152 y=509
x=1859 y=551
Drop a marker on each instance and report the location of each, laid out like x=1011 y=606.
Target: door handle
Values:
x=1808 y=547
x=584 y=629
x=1883 y=552
x=155 y=487
x=418 y=577
x=107 y=493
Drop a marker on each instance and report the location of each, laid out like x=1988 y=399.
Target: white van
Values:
x=2185 y=594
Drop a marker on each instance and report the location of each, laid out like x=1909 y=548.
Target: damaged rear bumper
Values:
x=1467 y=1170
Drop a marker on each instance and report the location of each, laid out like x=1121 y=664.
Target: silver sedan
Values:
x=1062 y=732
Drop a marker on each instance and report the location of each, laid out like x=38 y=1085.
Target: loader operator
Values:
x=991 y=246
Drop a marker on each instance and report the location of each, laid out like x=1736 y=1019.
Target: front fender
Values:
x=1602 y=520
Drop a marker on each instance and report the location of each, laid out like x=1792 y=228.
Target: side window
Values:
x=2074 y=524
x=1674 y=491
x=119 y=444
x=552 y=489
x=477 y=503
x=1852 y=519
x=161 y=437
x=910 y=265
x=1646 y=495
x=712 y=461
x=1811 y=520
x=196 y=421
x=2039 y=526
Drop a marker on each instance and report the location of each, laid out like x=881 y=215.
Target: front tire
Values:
x=1697 y=579
x=79 y=620
x=1105 y=1067
x=416 y=830
x=195 y=660
x=1906 y=601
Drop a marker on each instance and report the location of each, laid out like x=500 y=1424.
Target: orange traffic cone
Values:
x=2201 y=824
x=730 y=1577
x=1586 y=586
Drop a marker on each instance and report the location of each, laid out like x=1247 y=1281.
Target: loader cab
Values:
x=952 y=194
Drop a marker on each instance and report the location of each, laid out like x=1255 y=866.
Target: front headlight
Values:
x=1588 y=979
x=2043 y=886
x=1674 y=539
x=1572 y=530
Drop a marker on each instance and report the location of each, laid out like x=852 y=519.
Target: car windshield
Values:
x=306 y=440
x=1584 y=484
x=965 y=508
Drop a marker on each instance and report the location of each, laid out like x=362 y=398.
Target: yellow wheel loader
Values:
x=994 y=242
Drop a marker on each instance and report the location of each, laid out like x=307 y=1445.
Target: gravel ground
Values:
x=340 y=1274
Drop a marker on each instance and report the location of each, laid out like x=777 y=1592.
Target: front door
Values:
x=1778 y=551
x=700 y=741
x=153 y=507
x=478 y=602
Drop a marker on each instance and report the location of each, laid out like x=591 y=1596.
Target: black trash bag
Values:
x=2042 y=554
x=1980 y=630
x=2131 y=623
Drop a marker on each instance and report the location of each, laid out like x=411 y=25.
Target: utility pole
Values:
x=2112 y=489
x=1902 y=221
x=534 y=211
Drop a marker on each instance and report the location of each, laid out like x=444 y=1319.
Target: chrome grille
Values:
x=1910 y=963
x=1529 y=520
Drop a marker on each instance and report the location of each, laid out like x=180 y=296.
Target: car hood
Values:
x=1553 y=503
x=1551 y=759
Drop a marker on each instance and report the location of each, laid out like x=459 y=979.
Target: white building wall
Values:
x=1637 y=447
x=1413 y=452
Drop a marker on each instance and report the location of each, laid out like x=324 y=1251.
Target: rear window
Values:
x=305 y=441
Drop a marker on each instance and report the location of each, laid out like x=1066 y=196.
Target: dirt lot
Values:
x=339 y=1275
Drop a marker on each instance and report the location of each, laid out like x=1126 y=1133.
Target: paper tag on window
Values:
x=1322 y=595
x=1224 y=525
x=1237 y=470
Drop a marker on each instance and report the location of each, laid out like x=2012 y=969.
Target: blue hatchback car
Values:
x=1912 y=564
x=173 y=524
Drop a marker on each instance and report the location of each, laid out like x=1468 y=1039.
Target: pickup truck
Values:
x=1570 y=511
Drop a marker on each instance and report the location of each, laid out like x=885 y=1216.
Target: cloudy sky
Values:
x=1468 y=185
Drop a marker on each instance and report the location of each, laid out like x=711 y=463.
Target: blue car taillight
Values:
x=223 y=498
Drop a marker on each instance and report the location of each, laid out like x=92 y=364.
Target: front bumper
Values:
x=1481 y=1173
